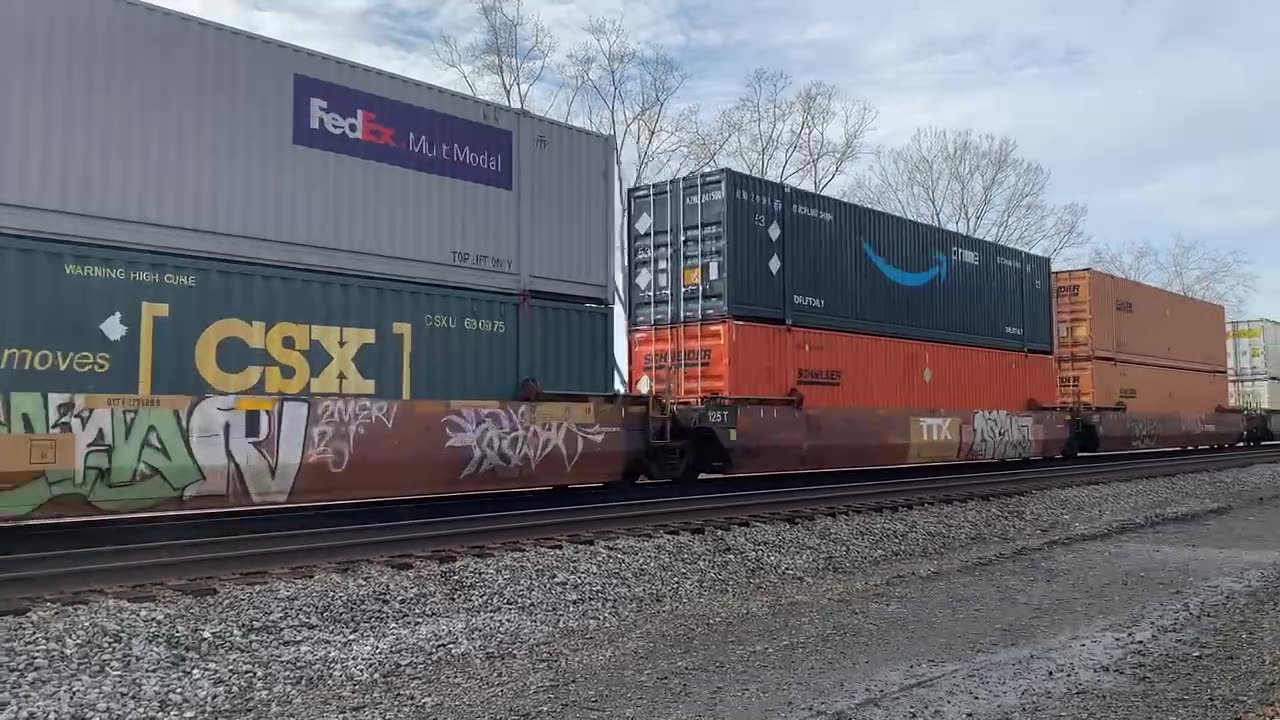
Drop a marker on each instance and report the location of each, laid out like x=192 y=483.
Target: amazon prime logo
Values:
x=907 y=278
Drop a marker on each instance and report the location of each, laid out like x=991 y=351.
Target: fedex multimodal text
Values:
x=349 y=122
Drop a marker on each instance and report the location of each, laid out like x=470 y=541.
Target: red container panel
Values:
x=834 y=369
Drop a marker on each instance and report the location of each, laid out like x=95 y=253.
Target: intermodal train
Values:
x=382 y=289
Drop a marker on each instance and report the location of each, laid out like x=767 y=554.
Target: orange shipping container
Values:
x=834 y=369
x=1103 y=316
x=1140 y=388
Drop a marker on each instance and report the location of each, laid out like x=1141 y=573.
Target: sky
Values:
x=1159 y=115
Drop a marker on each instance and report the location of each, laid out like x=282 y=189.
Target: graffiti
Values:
x=130 y=459
x=1000 y=435
x=1144 y=433
x=339 y=421
x=265 y=455
x=509 y=438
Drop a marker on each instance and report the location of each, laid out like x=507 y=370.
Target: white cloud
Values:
x=1159 y=115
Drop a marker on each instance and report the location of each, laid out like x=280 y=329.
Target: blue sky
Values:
x=1160 y=116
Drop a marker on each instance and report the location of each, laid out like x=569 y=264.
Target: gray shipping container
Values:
x=783 y=254
x=83 y=319
x=140 y=127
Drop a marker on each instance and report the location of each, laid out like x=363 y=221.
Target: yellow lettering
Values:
x=11 y=359
x=291 y=357
x=341 y=377
x=251 y=334
x=405 y=331
x=103 y=362
x=146 y=344
x=60 y=360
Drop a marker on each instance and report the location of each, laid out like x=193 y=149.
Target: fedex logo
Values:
x=364 y=126
x=346 y=121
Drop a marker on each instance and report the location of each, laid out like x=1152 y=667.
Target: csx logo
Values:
x=286 y=344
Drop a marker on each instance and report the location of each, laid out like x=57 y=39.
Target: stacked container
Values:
x=1253 y=364
x=234 y=179
x=1121 y=343
x=745 y=287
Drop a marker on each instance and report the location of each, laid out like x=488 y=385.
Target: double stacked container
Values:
x=1121 y=343
x=1253 y=364
x=157 y=161
x=745 y=287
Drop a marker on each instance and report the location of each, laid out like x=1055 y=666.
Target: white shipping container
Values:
x=1253 y=349
x=1260 y=394
x=130 y=125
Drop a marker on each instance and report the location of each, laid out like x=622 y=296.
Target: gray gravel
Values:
x=675 y=626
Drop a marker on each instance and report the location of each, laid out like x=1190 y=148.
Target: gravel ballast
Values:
x=663 y=627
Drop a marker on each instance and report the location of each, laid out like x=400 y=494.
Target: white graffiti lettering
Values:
x=268 y=460
x=1000 y=435
x=511 y=439
x=333 y=437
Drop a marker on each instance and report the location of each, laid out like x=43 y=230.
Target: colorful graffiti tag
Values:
x=224 y=450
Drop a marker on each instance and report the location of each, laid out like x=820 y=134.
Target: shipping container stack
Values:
x=1120 y=343
x=749 y=288
x=1253 y=364
x=274 y=220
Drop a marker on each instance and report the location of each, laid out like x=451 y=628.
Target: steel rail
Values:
x=41 y=572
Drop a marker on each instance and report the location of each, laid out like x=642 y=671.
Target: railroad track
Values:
x=63 y=575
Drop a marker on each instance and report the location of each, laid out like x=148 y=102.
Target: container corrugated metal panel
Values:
x=1139 y=388
x=1253 y=349
x=760 y=250
x=853 y=268
x=144 y=128
x=565 y=347
x=1254 y=394
x=101 y=320
x=704 y=247
x=834 y=369
x=1103 y=316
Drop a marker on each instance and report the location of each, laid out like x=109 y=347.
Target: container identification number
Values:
x=468 y=323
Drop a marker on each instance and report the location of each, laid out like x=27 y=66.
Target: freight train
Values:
x=386 y=289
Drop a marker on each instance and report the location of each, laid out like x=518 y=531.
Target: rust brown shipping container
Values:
x=1139 y=388
x=1104 y=316
x=834 y=369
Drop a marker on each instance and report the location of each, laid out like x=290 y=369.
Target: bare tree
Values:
x=807 y=137
x=977 y=185
x=631 y=93
x=507 y=59
x=1185 y=266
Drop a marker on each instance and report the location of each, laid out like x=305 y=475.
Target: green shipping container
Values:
x=83 y=319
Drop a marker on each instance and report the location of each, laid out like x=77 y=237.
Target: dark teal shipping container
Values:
x=751 y=249
x=88 y=319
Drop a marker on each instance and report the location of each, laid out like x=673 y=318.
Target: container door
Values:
x=654 y=230
x=702 y=276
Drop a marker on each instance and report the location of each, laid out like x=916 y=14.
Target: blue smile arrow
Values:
x=902 y=277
